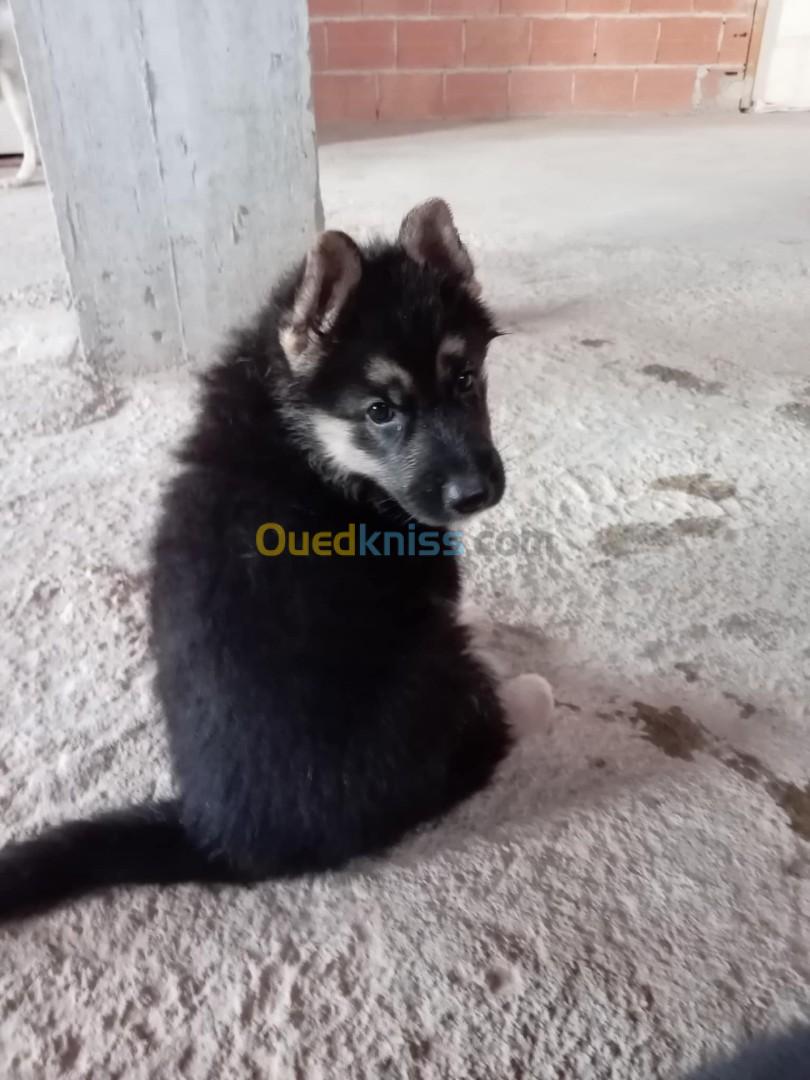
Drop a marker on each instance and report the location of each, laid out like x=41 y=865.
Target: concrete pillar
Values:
x=179 y=147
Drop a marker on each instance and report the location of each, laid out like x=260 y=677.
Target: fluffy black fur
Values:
x=786 y=1057
x=317 y=708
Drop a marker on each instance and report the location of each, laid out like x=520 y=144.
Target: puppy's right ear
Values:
x=429 y=235
x=331 y=273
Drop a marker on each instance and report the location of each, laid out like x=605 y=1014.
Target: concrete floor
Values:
x=633 y=894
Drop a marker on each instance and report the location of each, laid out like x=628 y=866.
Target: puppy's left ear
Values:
x=428 y=234
x=331 y=274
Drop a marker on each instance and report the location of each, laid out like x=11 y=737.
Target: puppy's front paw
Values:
x=529 y=703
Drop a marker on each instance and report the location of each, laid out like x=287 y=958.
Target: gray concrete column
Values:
x=179 y=147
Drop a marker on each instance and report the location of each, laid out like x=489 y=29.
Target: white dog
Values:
x=12 y=91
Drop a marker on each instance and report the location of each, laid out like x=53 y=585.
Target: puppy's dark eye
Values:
x=380 y=412
x=465 y=381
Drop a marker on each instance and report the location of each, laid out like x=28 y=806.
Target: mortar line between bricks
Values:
x=573 y=16
x=506 y=68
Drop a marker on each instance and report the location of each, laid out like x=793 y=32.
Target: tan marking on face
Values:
x=390 y=379
x=453 y=345
x=383 y=371
x=335 y=437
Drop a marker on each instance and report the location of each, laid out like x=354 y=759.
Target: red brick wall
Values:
x=433 y=59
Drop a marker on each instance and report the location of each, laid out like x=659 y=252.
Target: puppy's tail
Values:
x=142 y=845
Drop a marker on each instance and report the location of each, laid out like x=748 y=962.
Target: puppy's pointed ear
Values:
x=429 y=236
x=331 y=274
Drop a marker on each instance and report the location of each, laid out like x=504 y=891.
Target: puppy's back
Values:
x=784 y=1058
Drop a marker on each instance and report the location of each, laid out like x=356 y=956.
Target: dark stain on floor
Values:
x=68 y=1048
x=797 y=411
x=621 y=540
x=700 y=485
x=765 y=628
x=595 y=342
x=679 y=736
x=746 y=765
x=747 y=710
x=689 y=671
x=671 y=730
x=684 y=380
x=795 y=801
x=617 y=714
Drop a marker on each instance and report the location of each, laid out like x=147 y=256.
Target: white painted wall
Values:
x=783 y=76
x=178 y=142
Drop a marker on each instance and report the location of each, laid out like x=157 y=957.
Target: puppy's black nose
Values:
x=466 y=494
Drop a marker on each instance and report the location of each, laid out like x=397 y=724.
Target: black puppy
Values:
x=317 y=705
x=786 y=1057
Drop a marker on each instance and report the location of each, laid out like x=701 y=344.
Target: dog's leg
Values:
x=15 y=97
x=479 y=627
x=529 y=704
x=528 y=699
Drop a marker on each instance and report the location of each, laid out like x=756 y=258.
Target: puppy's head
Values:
x=386 y=348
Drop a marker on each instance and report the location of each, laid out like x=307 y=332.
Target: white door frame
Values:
x=771 y=30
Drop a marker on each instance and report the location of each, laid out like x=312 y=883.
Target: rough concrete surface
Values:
x=633 y=893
